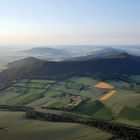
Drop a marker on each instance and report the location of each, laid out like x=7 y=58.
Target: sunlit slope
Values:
x=19 y=128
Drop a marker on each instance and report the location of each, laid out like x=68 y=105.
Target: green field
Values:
x=25 y=91
x=123 y=105
x=26 y=98
x=38 y=92
x=5 y=96
x=73 y=85
x=135 y=78
x=84 y=80
x=16 y=127
x=94 y=109
x=121 y=99
x=119 y=84
x=47 y=98
x=2 y=67
x=136 y=88
x=130 y=113
x=127 y=121
x=103 y=114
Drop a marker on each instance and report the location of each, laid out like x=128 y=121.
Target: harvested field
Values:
x=103 y=85
x=108 y=95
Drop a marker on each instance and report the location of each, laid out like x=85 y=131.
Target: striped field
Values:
x=111 y=93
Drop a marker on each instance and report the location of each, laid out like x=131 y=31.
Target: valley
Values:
x=69 y=69
x=86 y=99
x=77 y=97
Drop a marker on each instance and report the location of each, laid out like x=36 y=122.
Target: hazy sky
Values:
x=56 y=22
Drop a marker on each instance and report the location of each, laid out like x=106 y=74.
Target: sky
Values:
x=69 y=22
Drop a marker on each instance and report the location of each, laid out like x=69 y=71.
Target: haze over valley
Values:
x=69 y=69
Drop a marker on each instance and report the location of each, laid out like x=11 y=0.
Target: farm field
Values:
x=135 y=78
x=84 y=80
x=108 y=95
x=25 y=91
x=2 y=66
x=119 y=84
x=89 y=90
x=128 y=121
x=130 y=113
x=81 y=95
x=103 y=85
x=38 y=92
x=94 y=109
x=17 y=127
x=121 y=99
x=136 y=88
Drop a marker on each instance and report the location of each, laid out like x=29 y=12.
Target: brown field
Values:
x=103 y=85
x=111 y=93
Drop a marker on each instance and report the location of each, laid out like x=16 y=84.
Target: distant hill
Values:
x=122 y=63
x=75 y=53
x=47 y=53
x=45 y=50
x=106 y=53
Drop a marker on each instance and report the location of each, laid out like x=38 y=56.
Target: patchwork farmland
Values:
x=82 y=95
x=15 y=126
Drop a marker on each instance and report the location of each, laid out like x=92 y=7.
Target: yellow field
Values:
x=103 y=85
x=108 y=95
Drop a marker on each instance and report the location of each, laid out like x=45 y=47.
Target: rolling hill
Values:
x=45 y=50
x=29 y=68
